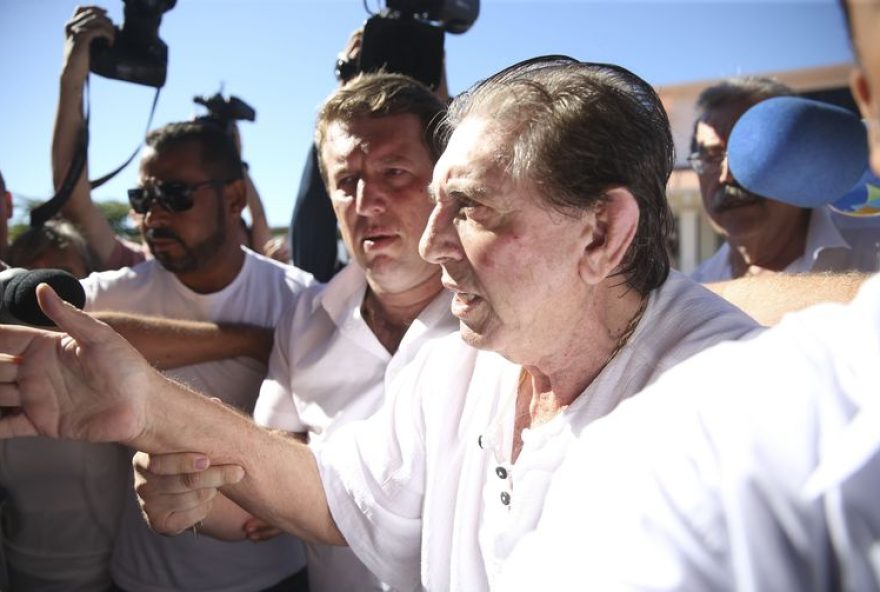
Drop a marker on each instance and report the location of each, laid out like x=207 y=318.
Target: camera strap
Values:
x=98 y=182
x=46 y=211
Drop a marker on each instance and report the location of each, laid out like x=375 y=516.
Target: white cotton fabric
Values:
x=753 y=466
x=144 y=561
x=327 y=370
x=419 y=500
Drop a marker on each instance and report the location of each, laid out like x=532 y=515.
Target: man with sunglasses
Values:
x=191 y=195
x=763 y=234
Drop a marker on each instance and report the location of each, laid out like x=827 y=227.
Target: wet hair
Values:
x=578 y=130
x=376 y=95
x=54 y=235
x=218 y=154
x=735 y=91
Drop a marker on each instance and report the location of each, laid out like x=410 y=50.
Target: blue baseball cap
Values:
x=798 y=151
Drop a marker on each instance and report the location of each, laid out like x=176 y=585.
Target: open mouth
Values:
x=378 y=241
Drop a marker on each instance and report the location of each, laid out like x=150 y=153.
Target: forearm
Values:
x=767 y=298
x=167 y=343
x=260 y=232
x=79 y=208
x=281 y=484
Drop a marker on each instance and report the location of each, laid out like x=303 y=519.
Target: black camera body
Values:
x=137 y=55
x=455 y=16
x=407 y=38
x=224 y=112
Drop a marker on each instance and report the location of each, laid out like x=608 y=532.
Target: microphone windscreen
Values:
x=798 y=151
x=20 y=294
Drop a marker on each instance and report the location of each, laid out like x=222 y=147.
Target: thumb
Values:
x=68 y=318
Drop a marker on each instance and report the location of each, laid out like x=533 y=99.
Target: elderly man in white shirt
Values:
x=767 y=480
x=550 y=226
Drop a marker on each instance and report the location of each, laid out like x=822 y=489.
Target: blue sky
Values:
x=277 y=55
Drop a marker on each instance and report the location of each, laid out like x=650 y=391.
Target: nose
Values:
x=370 y=199
x=440 y=242
x=155 y=214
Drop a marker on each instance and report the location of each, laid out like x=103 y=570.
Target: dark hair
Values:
x=578 y=130
x=381 y=94
x=217 y=151
x=747 y=90
x=54 y=235
x=2 y=183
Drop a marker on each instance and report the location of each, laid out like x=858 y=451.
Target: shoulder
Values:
x=294 y=277
x=714 y=269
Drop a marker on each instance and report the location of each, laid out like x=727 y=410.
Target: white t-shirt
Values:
x=835 y=242
x=753 y=466
x=61 y=512
x=327 y=370
x=144 y=561
x=424 y=491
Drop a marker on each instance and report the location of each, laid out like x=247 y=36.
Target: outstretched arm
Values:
x=87 y=24
x=88 y=383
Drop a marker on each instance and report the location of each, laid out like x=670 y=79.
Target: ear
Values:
x=608 y=240
x=858 y=84
x=235 y=195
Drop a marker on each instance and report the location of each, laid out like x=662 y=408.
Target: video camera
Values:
x=224 y=112
x=137 y=54
x=407 y=38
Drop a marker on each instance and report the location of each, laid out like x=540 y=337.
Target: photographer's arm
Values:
x=87 y=24
x=261 y=235
x=89 y=384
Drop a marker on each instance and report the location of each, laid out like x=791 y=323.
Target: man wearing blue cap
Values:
x=763 y=232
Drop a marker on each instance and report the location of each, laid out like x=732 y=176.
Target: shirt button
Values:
x=505 y=498
x=501 y=472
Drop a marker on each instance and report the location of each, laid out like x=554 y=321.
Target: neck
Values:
x=216 y=274
x=548 y=387
x=389 y=314
x=753 y=254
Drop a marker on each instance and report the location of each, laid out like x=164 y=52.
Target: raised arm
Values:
x=88 y=383
x=88 y=23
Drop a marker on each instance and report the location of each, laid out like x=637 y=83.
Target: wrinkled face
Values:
x=511 y=261
x=733 y=211
x=378 y=170
x=865 y=17
x=189 y=241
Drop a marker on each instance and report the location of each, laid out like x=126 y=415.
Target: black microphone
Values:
x=19 y=289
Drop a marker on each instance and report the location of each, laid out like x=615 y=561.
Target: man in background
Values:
x=763 y=234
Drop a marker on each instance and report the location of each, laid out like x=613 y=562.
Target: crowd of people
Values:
x=507 y=387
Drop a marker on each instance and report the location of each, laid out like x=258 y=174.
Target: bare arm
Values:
x=86 y=25
x=89 y=384
x=261 y=235
x=768 y=297
x=167 y=343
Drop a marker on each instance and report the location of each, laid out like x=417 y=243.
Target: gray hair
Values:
x=578 y=130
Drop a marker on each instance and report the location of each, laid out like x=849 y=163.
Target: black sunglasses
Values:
x=174 y=197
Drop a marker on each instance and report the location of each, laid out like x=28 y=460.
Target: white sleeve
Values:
x=275 y=407
x=373 y=472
